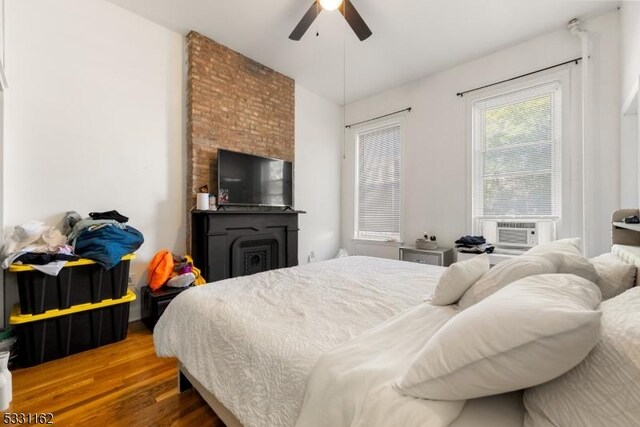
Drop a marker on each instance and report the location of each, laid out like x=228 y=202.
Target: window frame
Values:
x=560 y=97
x=356 y=132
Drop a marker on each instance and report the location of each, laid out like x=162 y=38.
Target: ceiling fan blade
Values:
x=354 y=20
x=306 y=21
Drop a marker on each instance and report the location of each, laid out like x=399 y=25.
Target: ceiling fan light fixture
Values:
x=348 y=11
x=330 y=4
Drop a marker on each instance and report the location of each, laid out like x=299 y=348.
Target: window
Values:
x=516 y=154
x=378 y=183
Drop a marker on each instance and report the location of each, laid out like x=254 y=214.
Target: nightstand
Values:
x=440 y=256
x=154 y=303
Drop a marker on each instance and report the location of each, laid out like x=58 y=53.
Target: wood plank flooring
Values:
x=121 y=384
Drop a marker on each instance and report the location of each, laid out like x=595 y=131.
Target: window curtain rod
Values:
x=379 y=117
x=576 y=60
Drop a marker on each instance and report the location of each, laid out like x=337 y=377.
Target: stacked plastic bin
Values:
x=84 y=307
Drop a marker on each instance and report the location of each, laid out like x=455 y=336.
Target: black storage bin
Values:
x=79 y=282
x=154 y=303
x=50 y=336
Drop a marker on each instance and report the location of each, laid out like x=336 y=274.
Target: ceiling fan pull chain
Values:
x=317 y=24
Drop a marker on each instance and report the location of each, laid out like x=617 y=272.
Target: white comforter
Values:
x=353 y=384
x=254 y=340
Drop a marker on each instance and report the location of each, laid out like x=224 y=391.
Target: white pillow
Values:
x=614 y=275
x=571 y=245
x=504 y=273
x=567 y=257
x=572 y=264
x=525 y=334
x=604 y=389
x=456 y=279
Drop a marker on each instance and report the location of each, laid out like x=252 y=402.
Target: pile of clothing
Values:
x=103 y=237
x=474 y=245
x=43 y=247
x=174 y=271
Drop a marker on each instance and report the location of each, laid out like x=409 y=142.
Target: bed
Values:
x=322 y=344
x=249 y=344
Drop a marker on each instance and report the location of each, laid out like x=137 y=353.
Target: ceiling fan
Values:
x=347 y=10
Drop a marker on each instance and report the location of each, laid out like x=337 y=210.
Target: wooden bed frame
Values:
x=186 y=381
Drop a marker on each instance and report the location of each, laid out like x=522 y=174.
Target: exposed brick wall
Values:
x=233 y=103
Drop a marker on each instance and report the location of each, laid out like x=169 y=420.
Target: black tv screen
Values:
x=253 y=180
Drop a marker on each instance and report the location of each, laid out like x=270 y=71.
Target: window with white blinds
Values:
x=378 y=183
x=516 y=154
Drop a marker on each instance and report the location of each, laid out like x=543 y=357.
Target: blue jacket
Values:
x=107 y=244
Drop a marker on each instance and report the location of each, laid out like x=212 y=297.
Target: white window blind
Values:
x=516 y=154
x=378 y=184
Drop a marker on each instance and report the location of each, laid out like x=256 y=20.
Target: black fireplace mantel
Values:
x=231 y=243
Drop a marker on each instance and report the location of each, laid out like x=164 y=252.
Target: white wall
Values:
x=630 y=40
x=2 y=205
x=630 y=55
x=317 y=174
x=436 y=172
x=2 y=27
x=94 y=119
x=629 y=158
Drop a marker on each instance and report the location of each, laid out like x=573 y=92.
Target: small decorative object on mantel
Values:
x=202 y=198
x=428 y=243
x=223 y=196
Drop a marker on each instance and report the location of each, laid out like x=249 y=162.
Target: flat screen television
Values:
x=253 y=180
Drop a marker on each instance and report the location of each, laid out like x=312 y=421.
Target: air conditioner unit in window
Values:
x=518 y=234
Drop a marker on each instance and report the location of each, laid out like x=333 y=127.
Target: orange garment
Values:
x=160 y=269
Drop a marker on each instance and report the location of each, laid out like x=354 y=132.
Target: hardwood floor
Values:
x=122 y=384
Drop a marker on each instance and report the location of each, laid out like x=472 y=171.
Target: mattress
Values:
x=254 y=340
x=503 y=410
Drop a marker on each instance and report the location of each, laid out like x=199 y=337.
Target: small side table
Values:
x=440 y=256
x=154 y=303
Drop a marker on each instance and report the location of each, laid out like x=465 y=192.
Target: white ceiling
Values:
x=411 y=38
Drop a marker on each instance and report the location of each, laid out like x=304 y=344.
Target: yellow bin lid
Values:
x=18 y=319
x=19 y=268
